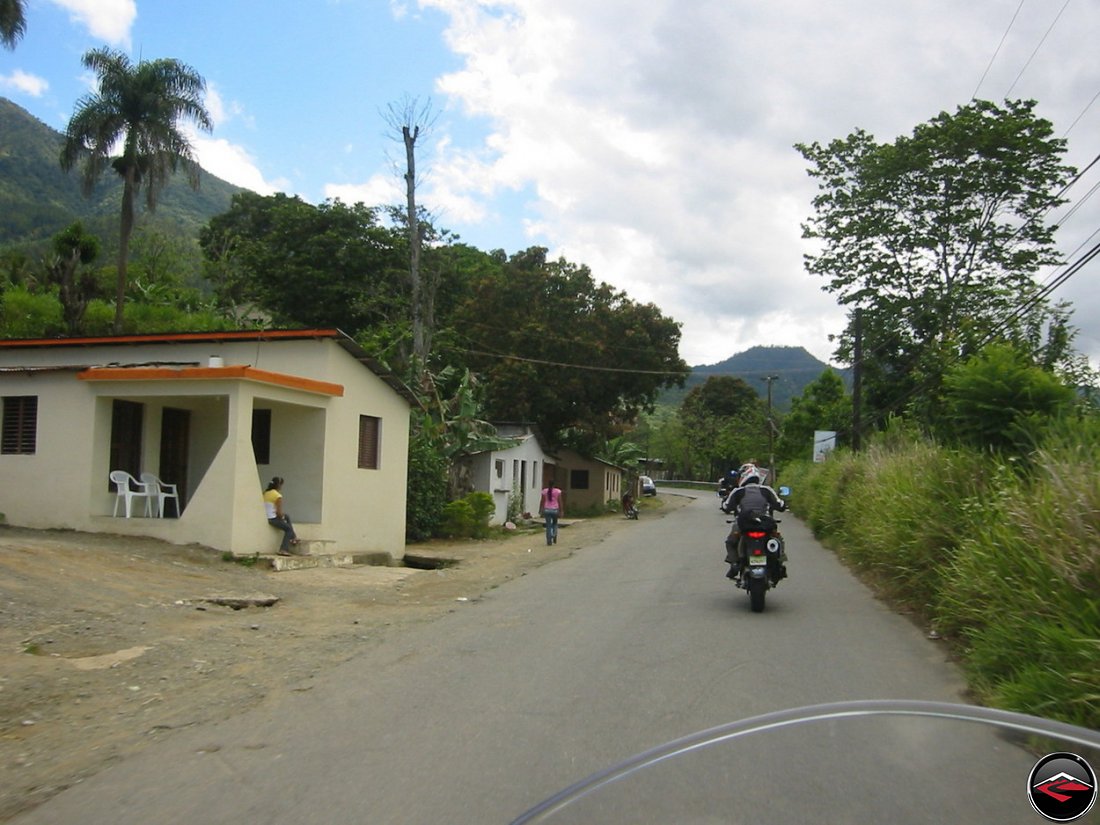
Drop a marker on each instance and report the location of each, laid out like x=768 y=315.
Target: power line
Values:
x=997 y=50
x=1036 y=50
x=591 y=367
x=1087 y=107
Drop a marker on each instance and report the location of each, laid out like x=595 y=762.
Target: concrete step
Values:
x=315 y=553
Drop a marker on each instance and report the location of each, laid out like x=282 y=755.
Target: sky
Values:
x=651 y=141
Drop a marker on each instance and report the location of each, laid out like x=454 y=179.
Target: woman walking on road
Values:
x=550 y=507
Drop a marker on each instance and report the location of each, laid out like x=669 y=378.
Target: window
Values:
x=500 y=467
x=20 y=425
x=578 y=479
x=370 y=431
x=261 y=436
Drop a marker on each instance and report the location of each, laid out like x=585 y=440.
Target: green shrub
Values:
x=482 y=508
x=24 y=314
x=468 y=517
x=458 y=520
x=426 y=489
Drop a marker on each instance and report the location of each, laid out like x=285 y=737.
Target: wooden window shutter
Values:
x=20 y=427
x=370 y=429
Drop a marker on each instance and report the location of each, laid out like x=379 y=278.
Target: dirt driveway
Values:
x=109 y=643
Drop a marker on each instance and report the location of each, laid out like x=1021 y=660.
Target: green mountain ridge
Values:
x=792 y=367
x=38 y=199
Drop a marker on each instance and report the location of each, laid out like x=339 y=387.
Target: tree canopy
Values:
x=328 y=265
x=823 y=405
x=546 y=342
x=937 y=237
x=559 y=348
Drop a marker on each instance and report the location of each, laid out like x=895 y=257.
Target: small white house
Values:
x=514 y=473
x=217 y=415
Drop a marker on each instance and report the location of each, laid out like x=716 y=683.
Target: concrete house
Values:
x=515 y=472
x=217 y=415
x=588 y=483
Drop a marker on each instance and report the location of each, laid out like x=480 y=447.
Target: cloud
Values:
x=234 y=164
x=28 y=84
x=110 y=20
x=380 y=190
x=657 y=139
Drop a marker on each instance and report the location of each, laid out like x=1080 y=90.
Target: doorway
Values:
x=175 y=443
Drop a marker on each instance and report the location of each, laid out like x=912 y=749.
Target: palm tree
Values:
x=13 y=21
x=140 y=108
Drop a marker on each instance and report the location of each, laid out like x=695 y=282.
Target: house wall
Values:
x=604 y=482
x=521 y=477
x=520 y=474
x=314 y=446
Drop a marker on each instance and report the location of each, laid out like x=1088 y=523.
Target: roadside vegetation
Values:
x=999 y=555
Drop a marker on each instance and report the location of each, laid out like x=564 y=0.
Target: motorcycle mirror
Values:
x=784 y=491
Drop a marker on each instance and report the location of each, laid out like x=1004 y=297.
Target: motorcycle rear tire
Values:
x=757 y=589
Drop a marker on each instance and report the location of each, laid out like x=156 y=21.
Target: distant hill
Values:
x=793 y=368
x=38 y=200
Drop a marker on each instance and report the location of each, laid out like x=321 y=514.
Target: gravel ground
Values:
x=108 y=643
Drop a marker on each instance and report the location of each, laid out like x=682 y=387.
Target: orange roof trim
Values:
x=241 y=372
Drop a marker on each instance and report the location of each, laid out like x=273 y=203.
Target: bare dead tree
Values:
x=411 y=119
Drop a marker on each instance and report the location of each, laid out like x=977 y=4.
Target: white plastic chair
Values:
x=162 y=492
x=128 y=488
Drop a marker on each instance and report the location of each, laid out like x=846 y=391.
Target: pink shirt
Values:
x=551 y=498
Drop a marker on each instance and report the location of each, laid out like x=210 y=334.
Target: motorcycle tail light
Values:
x=756 y=551
x=756 y=534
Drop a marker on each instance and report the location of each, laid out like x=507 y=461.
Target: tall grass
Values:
x=1001 y=557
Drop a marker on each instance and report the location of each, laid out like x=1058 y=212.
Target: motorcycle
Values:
x=762 y=557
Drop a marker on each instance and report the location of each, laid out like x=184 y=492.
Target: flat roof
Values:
x=259 y=335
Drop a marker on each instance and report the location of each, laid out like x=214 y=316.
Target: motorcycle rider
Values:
x=751 y=502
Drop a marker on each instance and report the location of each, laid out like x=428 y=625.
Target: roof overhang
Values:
x=237 y=373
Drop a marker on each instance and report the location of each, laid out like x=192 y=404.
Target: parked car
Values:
x=648 y=487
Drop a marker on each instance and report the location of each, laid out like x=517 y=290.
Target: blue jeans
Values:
x=551 y=516
x=288 y=531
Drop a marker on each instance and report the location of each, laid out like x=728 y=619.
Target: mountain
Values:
x=793 y=368
x=38 y=200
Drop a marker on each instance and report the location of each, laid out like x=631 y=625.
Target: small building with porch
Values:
x=217 y=415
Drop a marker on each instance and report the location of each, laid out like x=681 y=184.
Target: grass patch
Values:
x=243 y=561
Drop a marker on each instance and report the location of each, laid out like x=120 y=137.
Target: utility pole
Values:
x=771 y=433
x=857 y=377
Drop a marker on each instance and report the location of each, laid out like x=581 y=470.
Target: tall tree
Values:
x=823 y=405
x=725 y=423
x=558 y=348
x=141 y=107
x=13 y=21
x=410 y=119
x=937 y=236
x=325 y=265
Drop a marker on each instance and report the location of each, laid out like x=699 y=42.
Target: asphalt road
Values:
x=475 y=717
